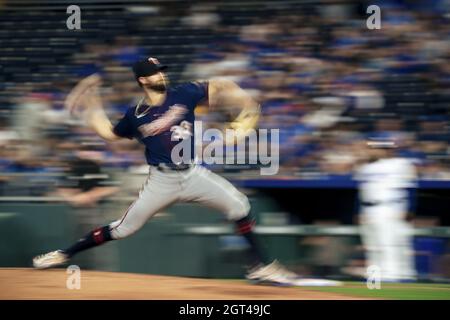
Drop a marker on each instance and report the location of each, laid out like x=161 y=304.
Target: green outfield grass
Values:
x=397 y=291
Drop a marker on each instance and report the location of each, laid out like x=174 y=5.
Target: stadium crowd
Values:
x=322 y=77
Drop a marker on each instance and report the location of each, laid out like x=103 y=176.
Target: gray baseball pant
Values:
x=162 y=189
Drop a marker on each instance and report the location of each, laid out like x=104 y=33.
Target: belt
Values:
x=378 y=203
x=167 y=167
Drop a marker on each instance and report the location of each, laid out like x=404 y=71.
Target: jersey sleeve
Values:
x=124 y=127
x=198 y=91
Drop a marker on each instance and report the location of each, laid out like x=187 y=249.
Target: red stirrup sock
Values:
x=245 y=229
x=92 y=239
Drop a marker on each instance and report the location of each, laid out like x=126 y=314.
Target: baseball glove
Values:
x=85 y=93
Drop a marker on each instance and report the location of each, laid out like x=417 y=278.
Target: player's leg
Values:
x=158 y=192
x=407 y=241
x=386 y=235
x=404 y=243
x=208 y=188
x=368 y=231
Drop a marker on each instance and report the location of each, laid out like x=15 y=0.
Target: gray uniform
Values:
x=163 y=188
x=162 y=129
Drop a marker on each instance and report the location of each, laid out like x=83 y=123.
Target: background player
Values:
x=385 y=200
x=161 y=120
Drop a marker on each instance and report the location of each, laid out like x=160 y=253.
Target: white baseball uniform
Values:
x=384 y=200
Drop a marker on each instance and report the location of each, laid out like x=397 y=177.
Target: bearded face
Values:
x=157 y=82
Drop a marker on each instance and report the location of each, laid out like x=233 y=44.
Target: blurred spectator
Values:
x=85 y=188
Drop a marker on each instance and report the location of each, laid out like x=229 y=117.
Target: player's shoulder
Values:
x=371 y=168
x=191 y=86
x=398 y=162
x=406 y=164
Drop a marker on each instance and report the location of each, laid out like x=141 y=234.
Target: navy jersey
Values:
x=162 y=127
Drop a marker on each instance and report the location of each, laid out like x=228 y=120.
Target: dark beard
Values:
x=157 y=87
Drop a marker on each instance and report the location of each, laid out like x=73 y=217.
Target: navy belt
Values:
x=165 y=167
x=371 y=204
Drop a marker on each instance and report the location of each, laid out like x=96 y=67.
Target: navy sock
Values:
x=92 y=239
x=245 y=229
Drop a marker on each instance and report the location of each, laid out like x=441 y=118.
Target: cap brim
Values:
x=382 y=144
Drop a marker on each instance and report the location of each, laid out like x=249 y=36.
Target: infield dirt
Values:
x=16 y=283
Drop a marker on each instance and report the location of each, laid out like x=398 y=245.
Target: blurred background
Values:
x=322 y=77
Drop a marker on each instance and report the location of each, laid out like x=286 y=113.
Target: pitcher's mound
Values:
x=52 y=284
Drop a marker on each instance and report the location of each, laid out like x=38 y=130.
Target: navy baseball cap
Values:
x=147 y=67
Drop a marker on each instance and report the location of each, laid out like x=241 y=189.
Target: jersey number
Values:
x=182 y=131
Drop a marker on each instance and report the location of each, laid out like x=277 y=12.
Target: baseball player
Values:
x=163 y=118
x=385 y=182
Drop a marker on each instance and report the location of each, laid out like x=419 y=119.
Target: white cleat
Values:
x=277 y=274
x=274 y=274
x=317 y=283
x=50 y=260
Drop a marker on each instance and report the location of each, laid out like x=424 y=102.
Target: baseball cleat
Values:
x=274 y=274
x=50 y=260
x=317 y=283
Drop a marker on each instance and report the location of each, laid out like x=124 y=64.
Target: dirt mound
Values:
x=51 y=284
